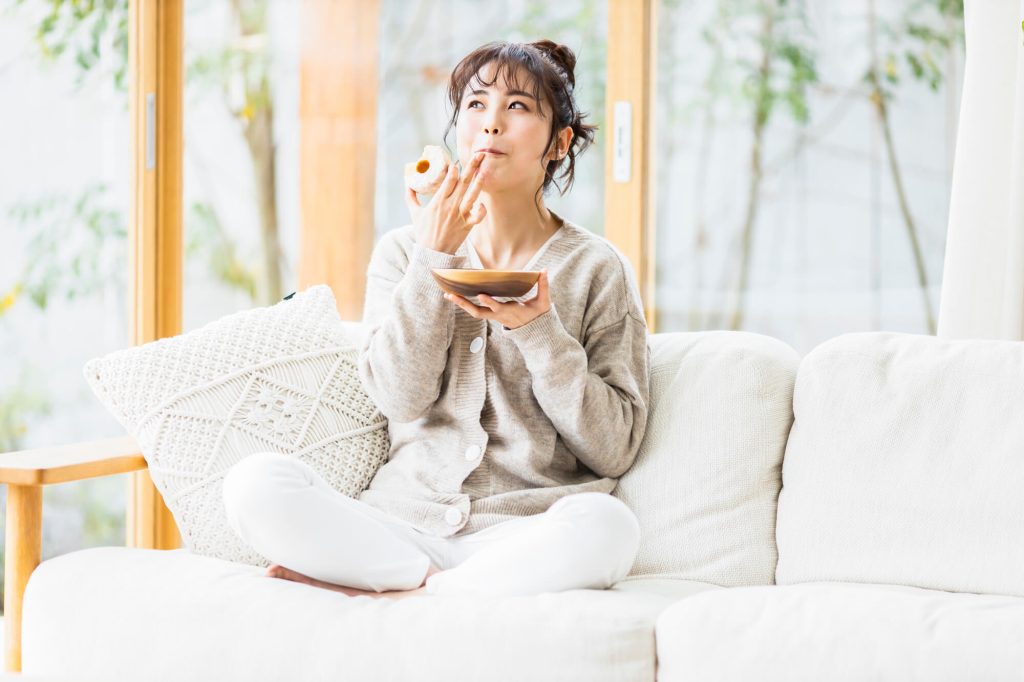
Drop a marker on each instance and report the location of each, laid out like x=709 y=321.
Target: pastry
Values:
x=426 y=173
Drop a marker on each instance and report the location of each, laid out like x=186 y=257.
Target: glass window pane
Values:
x=64 y=202
x=804 y=154
x=240 y=203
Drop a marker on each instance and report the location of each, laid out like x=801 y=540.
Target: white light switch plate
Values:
x=623 y=141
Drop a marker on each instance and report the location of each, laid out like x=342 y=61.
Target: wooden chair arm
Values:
x=26 y=472
x=74 y=462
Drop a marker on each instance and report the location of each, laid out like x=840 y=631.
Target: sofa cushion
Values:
x=841 y=632
x=706 y=479
x=281 y=378
x=121 y=614
x=905 y=465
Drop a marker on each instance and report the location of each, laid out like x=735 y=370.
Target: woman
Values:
x=510 y=420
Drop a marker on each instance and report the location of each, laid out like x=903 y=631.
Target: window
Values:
x=240 y=205
x=804 y=153
x=64 y=202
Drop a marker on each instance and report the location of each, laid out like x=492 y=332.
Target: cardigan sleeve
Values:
x=409 y=329
x=596 y=396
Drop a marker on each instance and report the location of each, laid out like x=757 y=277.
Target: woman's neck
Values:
x=511 y=231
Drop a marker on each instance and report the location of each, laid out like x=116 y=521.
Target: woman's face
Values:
x=510 y=122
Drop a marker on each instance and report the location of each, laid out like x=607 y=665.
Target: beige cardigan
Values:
x=487 y=423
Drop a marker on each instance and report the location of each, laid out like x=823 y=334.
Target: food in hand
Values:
x=426 y=173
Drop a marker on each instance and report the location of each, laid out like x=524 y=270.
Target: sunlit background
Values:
x=802 y=155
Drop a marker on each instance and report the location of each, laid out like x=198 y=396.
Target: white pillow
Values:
x=281 y=378
x=705 y=481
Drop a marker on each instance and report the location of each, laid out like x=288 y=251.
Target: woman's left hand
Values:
x=512 y=314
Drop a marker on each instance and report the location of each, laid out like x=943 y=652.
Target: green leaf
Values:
x=47 y=25
x=797 y=106
x=38 y=296
x=84 y=29
x=915 y=65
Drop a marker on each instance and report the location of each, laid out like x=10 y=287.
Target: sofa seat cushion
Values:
x=840 y=632
x=121 y=613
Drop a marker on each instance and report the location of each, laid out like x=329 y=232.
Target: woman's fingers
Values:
x=446 y=217
x=470 y=199
x=478 y=213
x=448 y=184
x=542 y=286
x=474 y=310
x=412 y=201
x=491 y=303
x=467 y=177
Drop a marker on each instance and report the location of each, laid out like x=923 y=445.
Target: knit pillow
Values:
x=281 y=378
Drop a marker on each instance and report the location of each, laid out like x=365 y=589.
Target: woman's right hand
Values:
x=446 y=220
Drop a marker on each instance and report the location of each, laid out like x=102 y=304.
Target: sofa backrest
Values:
x=707 y=477
x=706 y=480
x=355 y=329
x=905 y=465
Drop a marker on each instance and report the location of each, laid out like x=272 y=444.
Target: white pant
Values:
x=288 y=513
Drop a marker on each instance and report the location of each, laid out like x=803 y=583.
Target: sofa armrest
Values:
x=74 y=462
x=25 y=472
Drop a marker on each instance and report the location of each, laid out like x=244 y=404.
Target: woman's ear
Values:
x=562 y=142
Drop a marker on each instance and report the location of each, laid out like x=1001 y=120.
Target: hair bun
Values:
x=561 y=55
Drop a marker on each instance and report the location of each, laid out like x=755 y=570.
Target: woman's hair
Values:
x=550 y=68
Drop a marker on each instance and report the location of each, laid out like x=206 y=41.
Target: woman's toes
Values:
x=278 y=571
x=401 y=594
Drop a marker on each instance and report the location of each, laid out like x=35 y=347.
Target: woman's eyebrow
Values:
x=511 y=93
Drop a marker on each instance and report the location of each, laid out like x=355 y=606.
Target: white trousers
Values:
x=288 y=513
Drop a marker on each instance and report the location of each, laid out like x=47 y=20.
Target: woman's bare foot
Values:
x=278 y=571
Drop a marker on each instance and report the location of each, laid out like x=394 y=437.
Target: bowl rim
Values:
x=495 y=271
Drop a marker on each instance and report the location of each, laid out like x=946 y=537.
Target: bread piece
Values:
x=426 y=174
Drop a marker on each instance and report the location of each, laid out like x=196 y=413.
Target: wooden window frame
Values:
x=155 y=62
x=629 y=206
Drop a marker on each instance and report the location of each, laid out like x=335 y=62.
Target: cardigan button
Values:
x=453 y=516
x=476 y=344
x=472 y=452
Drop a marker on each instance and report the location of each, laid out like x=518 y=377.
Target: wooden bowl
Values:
x=473 y=281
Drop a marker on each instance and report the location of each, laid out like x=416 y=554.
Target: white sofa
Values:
x=894 y=551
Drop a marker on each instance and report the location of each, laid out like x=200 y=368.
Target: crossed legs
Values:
x=283 y=509
x=315 y=535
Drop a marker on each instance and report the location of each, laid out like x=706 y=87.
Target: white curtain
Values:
x=982 y=292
